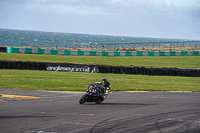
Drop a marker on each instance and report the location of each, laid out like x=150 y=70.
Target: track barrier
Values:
x=3 y=49
x=99 y=53
x=164 y=71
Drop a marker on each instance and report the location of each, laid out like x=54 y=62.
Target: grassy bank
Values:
x=147 y=61
x=51 y=80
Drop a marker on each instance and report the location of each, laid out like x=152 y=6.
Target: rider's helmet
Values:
x=104 y=81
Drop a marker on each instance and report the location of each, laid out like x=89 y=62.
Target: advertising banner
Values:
x=72 y=68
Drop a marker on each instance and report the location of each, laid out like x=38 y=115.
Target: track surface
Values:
x=138 y=112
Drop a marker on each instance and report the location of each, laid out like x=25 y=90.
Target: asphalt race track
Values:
x=138 y=112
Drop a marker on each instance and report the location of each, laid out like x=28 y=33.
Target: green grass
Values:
x=50 y=80
x=147 y=61
x=68 y=81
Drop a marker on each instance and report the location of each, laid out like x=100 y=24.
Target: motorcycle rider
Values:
x=104 y=86
x=96 y=92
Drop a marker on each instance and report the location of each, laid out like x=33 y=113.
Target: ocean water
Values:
x=19 y=38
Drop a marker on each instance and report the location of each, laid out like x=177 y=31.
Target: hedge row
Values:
x=191 y=72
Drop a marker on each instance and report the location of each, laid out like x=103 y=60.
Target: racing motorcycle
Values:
x=95 y=93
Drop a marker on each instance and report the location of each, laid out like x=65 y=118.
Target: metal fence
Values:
x=135 y=45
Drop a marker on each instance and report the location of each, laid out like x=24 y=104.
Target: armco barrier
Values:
x=191 y=72
x=100 y=53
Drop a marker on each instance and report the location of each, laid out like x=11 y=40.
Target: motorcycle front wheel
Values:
x=83 y=99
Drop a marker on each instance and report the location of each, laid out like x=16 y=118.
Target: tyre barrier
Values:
x=22 y=65
x=3 y=49
x=165 y=71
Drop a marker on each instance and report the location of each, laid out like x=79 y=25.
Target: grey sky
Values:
x=138 y=18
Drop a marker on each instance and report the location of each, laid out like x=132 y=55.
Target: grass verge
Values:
x=77 y=81
x=147 y=61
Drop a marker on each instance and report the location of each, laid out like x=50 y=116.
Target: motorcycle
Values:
x=95 y=93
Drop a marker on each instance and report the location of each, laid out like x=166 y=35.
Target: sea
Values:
x=20 y=38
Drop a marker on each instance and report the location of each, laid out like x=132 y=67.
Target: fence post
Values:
x=134 y=45
x=153 y=44
x=159 y=44
x=147 y=44
x=195 y=43
x=109 y=46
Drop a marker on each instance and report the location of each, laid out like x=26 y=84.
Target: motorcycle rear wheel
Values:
x=100 y=100
x=83 y=99
x=97 y=102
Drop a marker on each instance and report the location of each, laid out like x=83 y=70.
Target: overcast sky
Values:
x=179 y=19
